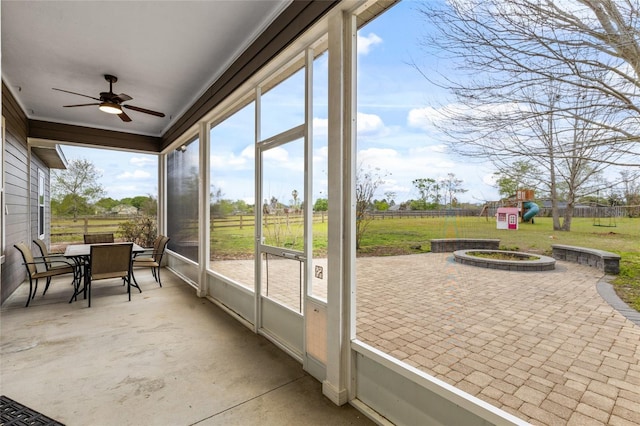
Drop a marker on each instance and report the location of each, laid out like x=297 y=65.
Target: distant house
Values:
x=124 y=210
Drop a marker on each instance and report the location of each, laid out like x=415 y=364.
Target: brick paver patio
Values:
x=543 y=346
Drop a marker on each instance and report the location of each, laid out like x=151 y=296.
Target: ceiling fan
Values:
x=111 y=103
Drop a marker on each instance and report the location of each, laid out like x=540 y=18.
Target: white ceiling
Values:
x=164 y=53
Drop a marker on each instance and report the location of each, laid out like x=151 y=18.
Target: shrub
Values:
x=141 y=230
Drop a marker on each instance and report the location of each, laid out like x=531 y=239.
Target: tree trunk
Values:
x=552 y=180
x=568 y=213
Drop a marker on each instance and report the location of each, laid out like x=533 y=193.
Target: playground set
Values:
x=522 y=210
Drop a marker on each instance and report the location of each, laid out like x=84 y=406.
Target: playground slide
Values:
x=532 y=210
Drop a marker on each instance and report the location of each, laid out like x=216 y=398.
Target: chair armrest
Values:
x=146 y=252
x=50 y=255
x=43 y=261
x=149 y=253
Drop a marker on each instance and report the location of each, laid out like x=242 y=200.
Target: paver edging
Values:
x=607 y=292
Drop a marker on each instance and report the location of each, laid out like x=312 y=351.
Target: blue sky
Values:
x=394 y=132
x=124 y=174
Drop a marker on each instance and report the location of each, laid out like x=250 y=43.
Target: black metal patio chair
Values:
x=31 y=263
x=152 y=259
x=98 y=238
x=110 y=261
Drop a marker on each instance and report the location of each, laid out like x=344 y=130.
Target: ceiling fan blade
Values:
x=74 y=93
x=124 y=117
x=146 y=111
x=124 y=97
x=70 y=106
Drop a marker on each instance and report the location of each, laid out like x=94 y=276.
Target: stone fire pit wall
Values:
x=449 y=245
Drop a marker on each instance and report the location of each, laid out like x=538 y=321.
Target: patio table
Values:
x=80 y=255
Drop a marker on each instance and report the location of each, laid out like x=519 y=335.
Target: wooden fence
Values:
x=62 y=228
x=241 y=221
x=419 y=214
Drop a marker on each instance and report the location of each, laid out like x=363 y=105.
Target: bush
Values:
x=141 y=230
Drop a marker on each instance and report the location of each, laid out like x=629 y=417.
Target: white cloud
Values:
x=320 y=126
x=365 y=43
x=143 y=161
x=424 y=118
x=136 y=174
x=119 y=192
x=489 y=179
x=277 y=154
x=229 y=161
x=370 y=125
x=402 y=167
x=248 y=152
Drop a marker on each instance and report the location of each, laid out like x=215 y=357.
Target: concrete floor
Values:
x=165 y=358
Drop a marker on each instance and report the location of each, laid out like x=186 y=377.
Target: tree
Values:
x=295 y=205
x=106 y=203
x=547 y=82
x=367 y=183
x=149 y=206
x=429 y=190
x=451 y=186
x=76 y=186
x=521 y=175
x=321 y=205
x=381 y=205
x=71 y=205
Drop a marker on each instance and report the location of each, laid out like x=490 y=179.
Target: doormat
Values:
x=15 y=414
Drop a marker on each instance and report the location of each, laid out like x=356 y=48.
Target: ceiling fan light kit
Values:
x=110 y=108
x=111 y=103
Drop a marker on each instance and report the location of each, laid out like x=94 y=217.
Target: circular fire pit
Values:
x=516 y=261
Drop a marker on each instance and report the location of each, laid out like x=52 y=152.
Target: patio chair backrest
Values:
x=110 y=261
x=158 y=250
x=98 y=238
x=44 y=252
x=27 y=256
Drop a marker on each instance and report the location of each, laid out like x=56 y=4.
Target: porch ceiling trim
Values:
x=59 y=132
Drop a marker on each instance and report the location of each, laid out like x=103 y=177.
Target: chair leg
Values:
x=46 y=287
x=158 y=274
x=30 y=292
